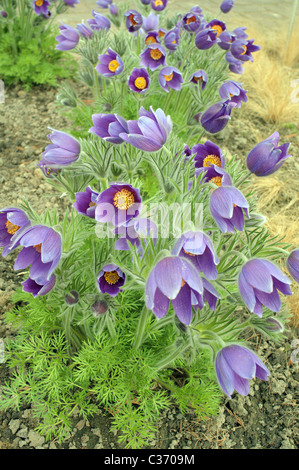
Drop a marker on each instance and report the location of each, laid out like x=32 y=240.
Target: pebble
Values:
x=14 y=425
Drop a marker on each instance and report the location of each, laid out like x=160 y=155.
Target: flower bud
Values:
x=273 y=326
x=72 y=298
x=99 y=307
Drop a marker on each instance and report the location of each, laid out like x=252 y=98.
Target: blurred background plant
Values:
x=27 y=44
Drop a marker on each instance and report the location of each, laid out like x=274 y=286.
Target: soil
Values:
x=266 y=418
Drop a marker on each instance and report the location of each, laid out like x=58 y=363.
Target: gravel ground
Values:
x=266 y=418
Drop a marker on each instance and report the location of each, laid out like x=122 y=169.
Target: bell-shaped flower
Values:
x=267 y=156
x=227 y=205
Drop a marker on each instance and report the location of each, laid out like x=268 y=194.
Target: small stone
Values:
x=14 y=425
x=36 y=440
x=23 y=433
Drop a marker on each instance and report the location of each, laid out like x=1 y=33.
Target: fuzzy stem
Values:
x=140 y=328
x=174 y=354
x=245 y=177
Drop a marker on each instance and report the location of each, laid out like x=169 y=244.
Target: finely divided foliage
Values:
x=145 y=292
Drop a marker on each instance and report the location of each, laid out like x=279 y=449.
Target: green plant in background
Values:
x=27 y=45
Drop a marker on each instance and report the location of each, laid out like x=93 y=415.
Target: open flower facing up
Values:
x=110 y=64
x=207 y=154
x=170 y=77
x=267 y=157
x=118 y=204
x=216 y=117
x=198 y=249
x=12 y=222
x=153 y=56
x=111 y=279
x=259 y=281
x=67 y=39
x=150 y=132
x=139 y=80
x=174 y=279
x=242 y=49
x=234 y=92
x=41 y=249
x=227 y=205
x=191 y=22
x=217 y=27
x=159 y=5
x=134 y=20
x=85 y=202
x=200 y=77
x=41 y=6
x=152 y=38
x=63 y=151
x=109 y=127
x=293 y=264
x=235 y=366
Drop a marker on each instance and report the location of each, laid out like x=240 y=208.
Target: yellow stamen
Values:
x=183 y=282
x=217 y=180
x=11 y=228
x=161 y=34
x=39 y=3
x=156 y=54
x=123 y=199
x=38 y=247
x=173 y=42
x=92 y=204
x=245 y=50
x=191 y=20
x=150 y=40
x=131 y=18
x=198 y=79
x=111 y=277
x=188 y=253
x=217 y=28
x=140 y=83
x=168 y=78
x=158 y=3
x=113 y=65
x=212 y=160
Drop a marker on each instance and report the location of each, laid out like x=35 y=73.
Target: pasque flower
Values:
x=259 y=282
x=134 y=20
x=118 y=204
x=63 y=150
x=37 y=289
x=173 y=279
x=133 y=231
x=150 y=132
x=99 y=22
x=104 y=3
x=109 y=127
x=110 y=64
x=85 y=202
x=235 y=366
x=111 y=279
x=234 y=92
x=171 y=39
x=153 y=56
x=139 y=80
x=71 y=3
x=198 y=249
x=199 y=77
x=267 y=156
x=227 y=205
x=84 y=30
x=67 y=39
x=151 y=38
x=191 y=22
x=226 y=6
x=13 y=221
x=207 y=154
x=293 y=264
x=41 y=6
x=242 y=49
x=159 y=5
x=41 y=249
x=170 y=77
x=151 y=22
x=216 y=26
x=235 y=65
x=216 y=117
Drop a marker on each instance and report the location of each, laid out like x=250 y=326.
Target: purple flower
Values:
x=272 y=325
x=71 y=3
x=145 y=2
x=84 y=31
x=293 y=264
x=226 y=6
x=109 y=127
x=198 y=249
x=199 y=77
x=110 y=280
x=216 y=117
x=104 y=3
x=150 y=132
x=139 y=80
x=235 y=65
x=134 y=231
x=207 y=154
x=151 y=22
x=153 y=56
x=152 y=38
x=118 y=204
x=41 y=6
x=214 y=174
x=41 y=249
x=63 y=151
x=3 y=13
x=13 y=221
x=234 y=92
x=225 y=40
x=37 y=289
x=227 y=205
x=86 y=202
x=176 y=279
x=191 y=22
x=170 y=77
x=205 y=38
x=110 y=64
x=113 y=8
x=99 y=21
x=235 y=365
x=171 y=39
x=259 y=281
x=267 y=157
x=216 y=26
x=99 y=307
x=68 y=38
x=242 y=49
x=134 y=20
x=159 y=5
x=72 y=298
